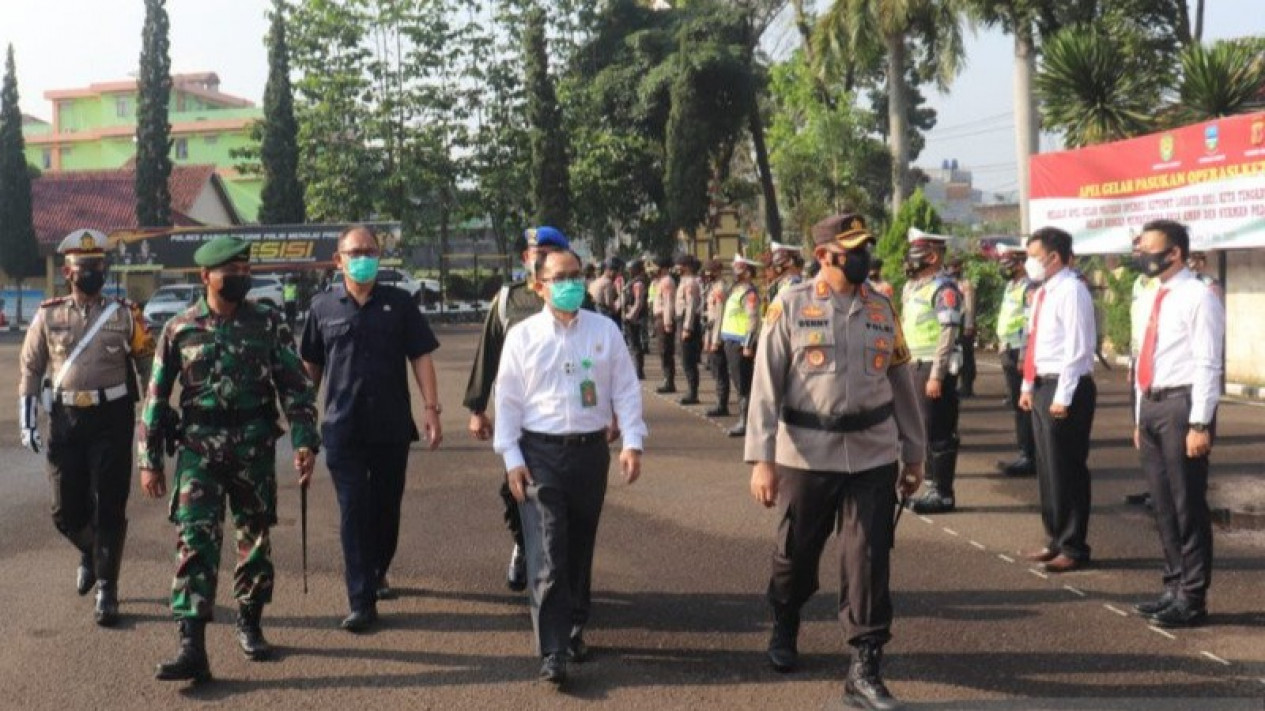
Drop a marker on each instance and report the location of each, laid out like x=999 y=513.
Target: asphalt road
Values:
x=679 y=620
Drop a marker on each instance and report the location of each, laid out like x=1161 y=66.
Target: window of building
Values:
x=47 y=161
x=212 y=140
x=182 y=149
x=122 y=107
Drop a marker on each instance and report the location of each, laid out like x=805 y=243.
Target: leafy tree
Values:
x=282 y=199
x=153 y=130
x=1221 y=80
x=19 y=252
x=1092 y=91
x=550 y=181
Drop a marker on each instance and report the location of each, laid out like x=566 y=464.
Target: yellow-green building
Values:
x=93 y=128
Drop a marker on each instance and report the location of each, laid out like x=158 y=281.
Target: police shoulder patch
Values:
x=773 y=313
x=53 y=301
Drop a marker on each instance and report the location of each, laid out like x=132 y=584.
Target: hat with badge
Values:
x=83 y=243
x=1007 y=252
x=846 y=230
x=741 y=261
x=923 y=243
x=221 y=251
x=543 y=236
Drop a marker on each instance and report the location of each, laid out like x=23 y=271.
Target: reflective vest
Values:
x=1144 y=290
x=290 y=292
x=919 y=320
x=652 y=295
x=1012 y=321
x=736 y=323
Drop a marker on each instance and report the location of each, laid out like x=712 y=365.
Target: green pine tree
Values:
x=19 y=253
x=282 y=200
x=153 y=130
x=550 y=171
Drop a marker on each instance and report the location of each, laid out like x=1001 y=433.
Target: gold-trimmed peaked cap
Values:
x=83 y=243
x=847 y=230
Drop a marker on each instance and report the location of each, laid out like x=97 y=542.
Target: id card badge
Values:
x=588 y=393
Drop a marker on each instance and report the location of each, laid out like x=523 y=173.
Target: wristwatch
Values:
x=437 y=407
x=1199 y=427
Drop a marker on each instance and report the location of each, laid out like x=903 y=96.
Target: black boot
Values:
x=933 y=501
x=721 y=410
x=1023 y=466
x=190 y=662
x=691 y=395
x=783 y=643
x=250 y=636
x=106 y=611
x=864 y=687
x=108 y=560
x=85 y=539
x=740 y=429
x=668 y=387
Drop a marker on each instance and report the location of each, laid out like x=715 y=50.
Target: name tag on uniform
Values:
x=588 y=393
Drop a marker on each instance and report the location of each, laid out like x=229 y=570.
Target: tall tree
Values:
x=1092 y=90
x=282 y=199
x=19 y=253
x=550 y=173
x=153 y=130
x=1222 y=80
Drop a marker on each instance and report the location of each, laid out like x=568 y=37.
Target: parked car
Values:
x=168 y=301
x=266 y=289
x=391 y=276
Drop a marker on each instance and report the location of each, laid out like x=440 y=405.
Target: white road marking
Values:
x=924 y=519
x=978 y=545
x=950 y=531
x=1217 y=659
x=1071 y=589
x=1116 y=610
x=1005 y=557
x=1159 y=631
x=1038 y=573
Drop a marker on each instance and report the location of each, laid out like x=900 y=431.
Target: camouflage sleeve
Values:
x=142 y=343
x=162 y=378
x=487 y=359
x=294 y=387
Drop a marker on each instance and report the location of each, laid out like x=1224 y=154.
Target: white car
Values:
x=403 y=280
x=168 y=301
x=266 y=289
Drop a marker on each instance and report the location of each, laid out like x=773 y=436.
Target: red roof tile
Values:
x=106 y=199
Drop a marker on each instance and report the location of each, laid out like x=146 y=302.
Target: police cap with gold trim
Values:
x=83 y=243
x=846 y=230
x=222 y=250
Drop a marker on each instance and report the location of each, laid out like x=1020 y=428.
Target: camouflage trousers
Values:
x=199 y=491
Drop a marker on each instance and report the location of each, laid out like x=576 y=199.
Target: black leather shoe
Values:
x=385 y=591
x=1180 y=614
x=85 y=576
x=360 y=620
x=783 y=642
x=718 y=411
x=1156 y=606
x=689 y=399
x=554 y=669
x=864 y=687
x=516 y=573
x=1139 y=499
x=666 y=389
x=932 y=502
x=250 y=635
x=191 y=662
x=1020 y=467
x=106 y=612
x=577 y=650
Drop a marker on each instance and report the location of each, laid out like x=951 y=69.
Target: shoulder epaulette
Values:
x=53 y=301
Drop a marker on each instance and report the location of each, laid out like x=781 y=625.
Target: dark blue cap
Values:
x=546 y=236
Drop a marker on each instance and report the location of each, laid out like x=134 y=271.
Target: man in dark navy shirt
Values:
x=362 y=336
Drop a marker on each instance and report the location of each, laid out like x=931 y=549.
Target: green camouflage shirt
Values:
x=234 y=365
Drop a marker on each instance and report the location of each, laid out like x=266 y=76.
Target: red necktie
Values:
x=1146 y=360
x=1030 y=356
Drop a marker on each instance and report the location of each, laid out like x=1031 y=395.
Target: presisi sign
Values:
x=298 y=246
x=1210 y=176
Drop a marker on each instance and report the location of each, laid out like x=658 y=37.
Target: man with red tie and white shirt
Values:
x=1178 y=381
x=1058 y=389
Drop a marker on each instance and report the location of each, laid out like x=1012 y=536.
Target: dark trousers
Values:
x=1179 y=495
x=369 y=481
x=635 y=337
x=513 y=521
x=861 y=508
x=1062 y=448
x=292 y=312
x=560 y=518
x=720 y=371
x=741 y=369
x=966 y=377
x=691 y=352
x=1011 y=368
x=90 y=470
x=667 y=350
x=940 y=418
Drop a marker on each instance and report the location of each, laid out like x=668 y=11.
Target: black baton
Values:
x=303 y=529
x=900 y=507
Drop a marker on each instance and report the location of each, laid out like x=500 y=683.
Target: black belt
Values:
x=1157 y=394
x=1054 y=380
x=855 y=422
x=228 y=418
x=568 y=440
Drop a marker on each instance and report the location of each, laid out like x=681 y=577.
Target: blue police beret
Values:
x=546 y=236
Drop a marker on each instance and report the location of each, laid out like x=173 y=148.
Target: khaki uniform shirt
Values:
x=605 y=297
x=689 y=302
x=714 y=310
x=58 y=327
x=833 y=354
x=664 y=301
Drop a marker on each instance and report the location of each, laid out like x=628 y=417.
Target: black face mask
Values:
x=913 y=266
x=90 y=281
x=1152 y=264
x=1008 y=271
x=855 y=266
x=235 y=287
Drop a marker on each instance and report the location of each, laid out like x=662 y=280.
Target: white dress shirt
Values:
x=1188 y=343
x=1066 y=333
x=540 y=383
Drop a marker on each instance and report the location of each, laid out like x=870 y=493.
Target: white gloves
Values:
x=28 y=423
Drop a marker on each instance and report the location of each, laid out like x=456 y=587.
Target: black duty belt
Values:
x=1053 y=379
x=567 y=440
x=855 y=422
x=201 y=417
x=1157 y=394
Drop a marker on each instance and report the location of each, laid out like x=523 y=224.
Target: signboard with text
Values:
x=279 y=247
x=1210 y=176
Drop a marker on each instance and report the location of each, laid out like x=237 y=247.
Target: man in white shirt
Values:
x=1058 y=389
x=564 y=376
x=1178 y=381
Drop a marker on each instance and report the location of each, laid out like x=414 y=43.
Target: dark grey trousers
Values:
x=1012 y=370
x=560 y=518
x=1062 y=448
x=861 y=506
x=1179 y=495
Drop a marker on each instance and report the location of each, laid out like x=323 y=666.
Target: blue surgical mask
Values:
x=567 y=295
x=362 y=270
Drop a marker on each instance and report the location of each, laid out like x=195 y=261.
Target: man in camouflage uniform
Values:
x=233 y=358
x=89 y=347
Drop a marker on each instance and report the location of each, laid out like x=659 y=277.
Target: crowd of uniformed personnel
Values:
x=847 y=405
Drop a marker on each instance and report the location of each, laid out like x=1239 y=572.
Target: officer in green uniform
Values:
x=1012 y=338
x=833 y=409
x=233 y=358
x=932 y=320
x=515 y=302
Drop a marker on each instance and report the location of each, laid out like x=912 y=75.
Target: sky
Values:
x=72 y=43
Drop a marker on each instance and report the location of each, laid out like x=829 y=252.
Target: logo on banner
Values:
x=1212 y=137
x=1258 y=132
x=1167 y=147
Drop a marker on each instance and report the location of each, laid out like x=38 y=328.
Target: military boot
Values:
x=740 y=429
x=86 y=574
x=191 y=662
x=691 y=393
x=864 y=687
x=783 y=643
x=250 y=636
x=667 y=387
x=108 y=560
x=721 y=409
x=106 y=611
x=933 y=501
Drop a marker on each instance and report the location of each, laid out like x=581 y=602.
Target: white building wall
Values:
x=1245 y=316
